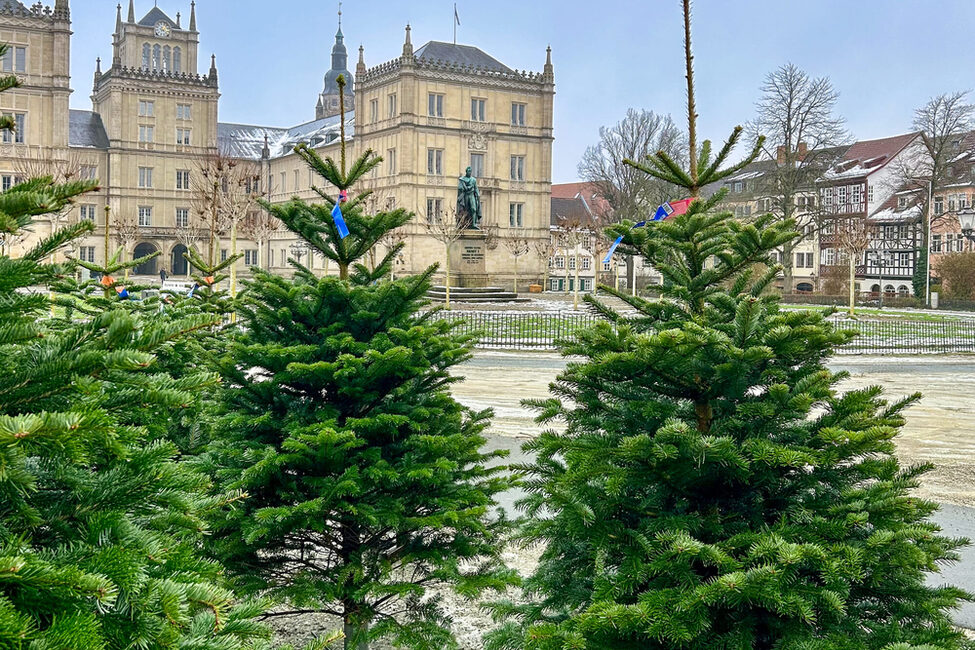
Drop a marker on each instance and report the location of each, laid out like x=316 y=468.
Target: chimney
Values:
x=780 y=155
x=801 y=153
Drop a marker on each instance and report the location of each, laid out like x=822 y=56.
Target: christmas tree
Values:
x=99 y=526
x=711 y=488
x=366 y=481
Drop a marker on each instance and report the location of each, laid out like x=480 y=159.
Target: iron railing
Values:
x=524 y=330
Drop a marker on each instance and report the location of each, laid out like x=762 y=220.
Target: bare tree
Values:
x=631 y=193
x=802 y=136
x=126 y=232
x=545 y=248
x=258 y=226
x=63 y=167
x=194 y=232
x=447 y=227
x=945 y=123
x=225 y=192
x=517 y=246
x=852 y=236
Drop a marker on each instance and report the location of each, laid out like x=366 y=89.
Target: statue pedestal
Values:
x=469 y=253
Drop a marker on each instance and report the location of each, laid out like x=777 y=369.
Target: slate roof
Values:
x=465 y=55
x=867 y=156
x=247 y=141
x=85 y=129
x=154 y=16
x=588 y=192
x=12 y=5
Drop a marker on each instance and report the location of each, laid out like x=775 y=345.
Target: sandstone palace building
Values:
x=153 y=131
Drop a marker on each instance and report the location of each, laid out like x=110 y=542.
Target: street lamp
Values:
x=966 y=218
x=297 y=250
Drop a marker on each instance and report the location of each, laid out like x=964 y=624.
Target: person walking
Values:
x=163 y=275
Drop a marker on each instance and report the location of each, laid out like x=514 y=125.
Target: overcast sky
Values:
x=885 y=57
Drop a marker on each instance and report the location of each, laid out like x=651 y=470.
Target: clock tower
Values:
x=160 y=116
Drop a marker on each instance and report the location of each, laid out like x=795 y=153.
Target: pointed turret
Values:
x=118 y=20
x=131 y=11
x=408 y=44
x=360 y=67
x=61 y=10
x=266 y=151
x=213 y=67
x=178 y=26
x=548 y=72
x=193 y=16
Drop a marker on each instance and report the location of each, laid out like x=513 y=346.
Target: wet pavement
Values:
x=940 y=428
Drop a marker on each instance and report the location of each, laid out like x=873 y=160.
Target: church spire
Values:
x=193 y=16
x=118 y=20
x=131 y=11
x=338 y=34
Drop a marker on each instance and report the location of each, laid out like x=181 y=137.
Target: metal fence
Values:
x=515 y=330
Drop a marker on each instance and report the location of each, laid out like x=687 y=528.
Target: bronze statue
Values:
x=469 y=200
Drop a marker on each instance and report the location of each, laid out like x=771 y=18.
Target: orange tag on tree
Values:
x=107 y=281
x=208 y=279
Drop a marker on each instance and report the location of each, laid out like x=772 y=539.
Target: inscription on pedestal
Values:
x=473 y=254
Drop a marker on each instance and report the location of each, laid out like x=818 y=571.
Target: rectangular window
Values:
x=478 y=110
x=572 y=263
x=183 y=136
x=223 y=254
x=182 y=179
x=182 y=111
x=939 y=205
x=182 y=217
x=374 y=109
x=952 y=203
x=87 y=254
x=935 y=243
x=434 y=210
x=516 y=213
x=15 y=59
x=477 y=165
x=297 y=179
x=607 y=266
x=146 y=108
x=145 y=215
x=145 y=176
x=284 y=181
x=435 y=162
x=435 y=105
x=517 y=114
x=391 y=161
x=391 y=105
x=18 y=134
x=89 y=172
x=560 y=262
x=828 y=196
x=250 y=257
x=870 y=193
x=270 y=257
x=586 y=263
x=857 y=194
x=841 y=195
x=517 y=168
x=738 y=186
x=87 y=212
x=146 y=133
x=7 y=182
x=828 y=257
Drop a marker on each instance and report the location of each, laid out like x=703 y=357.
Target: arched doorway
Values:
x=146 y=268
x=179 y=265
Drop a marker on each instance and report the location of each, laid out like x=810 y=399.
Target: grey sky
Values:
x=884 y=56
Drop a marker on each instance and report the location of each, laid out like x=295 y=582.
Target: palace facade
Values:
x=153 y=130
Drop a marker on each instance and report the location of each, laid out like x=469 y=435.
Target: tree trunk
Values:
x=853 y=284
x=343 y=271
x=353 y=631
x=787 y=259
x=233 y=266
x=446 y=281
x=575 y=293
x=515 y=281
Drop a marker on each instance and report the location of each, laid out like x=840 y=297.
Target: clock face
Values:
x=163 y=29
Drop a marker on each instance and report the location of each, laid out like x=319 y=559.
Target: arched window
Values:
x=902 y=291
x=145 y=56
x=889 y=290
x=165 y=59
x=177 y=60
x=155 y=57
x=804 y=287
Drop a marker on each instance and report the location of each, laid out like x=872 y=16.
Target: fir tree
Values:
x=99 y=526
x=712 y=489
x=365 y=478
